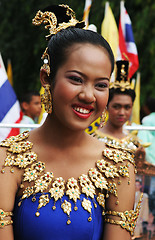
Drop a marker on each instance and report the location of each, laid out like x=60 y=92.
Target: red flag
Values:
x=127 y=46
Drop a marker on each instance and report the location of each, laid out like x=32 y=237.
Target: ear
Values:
x=24 y=106
x=44 y=78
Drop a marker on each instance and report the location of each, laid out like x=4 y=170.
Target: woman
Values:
x=120 y=103
x=66 y=199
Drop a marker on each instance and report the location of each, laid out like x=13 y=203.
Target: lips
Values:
x=82 y=111
x=121 y=119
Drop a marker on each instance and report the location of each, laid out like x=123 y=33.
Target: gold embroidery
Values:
x=34 y=171
x=87 y=186
x=96 y=177
x=101 y=201
x=73 y=189
x=57 y=190
x=108 y=169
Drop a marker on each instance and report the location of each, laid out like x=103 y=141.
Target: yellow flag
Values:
x=9 y=72
x=109 y=29
x=136 y=106
x=86 y=12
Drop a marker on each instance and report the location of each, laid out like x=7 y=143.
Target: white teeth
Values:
x=81 y=110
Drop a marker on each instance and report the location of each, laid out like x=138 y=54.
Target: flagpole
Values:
x=122 y=16
x=106 y=7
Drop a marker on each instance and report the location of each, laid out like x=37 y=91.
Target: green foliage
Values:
x=24 y=43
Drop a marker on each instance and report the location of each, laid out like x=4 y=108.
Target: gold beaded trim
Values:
x=3 y=215
x=128 y=218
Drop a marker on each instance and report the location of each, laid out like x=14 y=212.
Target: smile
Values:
x=82 y=112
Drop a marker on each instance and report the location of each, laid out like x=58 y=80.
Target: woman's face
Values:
x=120 y=108
x=81 y=86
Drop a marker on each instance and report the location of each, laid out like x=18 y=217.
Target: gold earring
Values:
x=46 y=99
x=103 y=118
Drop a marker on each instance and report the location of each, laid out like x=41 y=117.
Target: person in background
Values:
x=119 y=107
x=149 y=136
x=142 y=221
x=31 y=107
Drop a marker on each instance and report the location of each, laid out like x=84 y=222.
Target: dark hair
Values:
x=27 y=97
x=114 y=91
x=60 y=43
x=138 y=180
x=150 y=103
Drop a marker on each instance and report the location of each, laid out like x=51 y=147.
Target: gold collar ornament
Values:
x=100 y=182
x=122 y=81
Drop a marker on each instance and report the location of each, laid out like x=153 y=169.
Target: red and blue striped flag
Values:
x=127 y=46
x=9 y=105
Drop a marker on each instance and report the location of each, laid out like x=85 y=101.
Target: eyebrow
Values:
x=119 y=104
x=83 y=75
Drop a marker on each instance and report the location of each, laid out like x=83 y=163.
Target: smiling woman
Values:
x=60 y=182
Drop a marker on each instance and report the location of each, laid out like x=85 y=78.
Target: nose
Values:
x=87 y=94
x=122 y=111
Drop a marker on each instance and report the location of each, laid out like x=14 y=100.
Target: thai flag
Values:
x=127 y=46
x=9 y=105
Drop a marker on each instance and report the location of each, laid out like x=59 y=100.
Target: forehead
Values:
x=121 y=99
x=35 y=98
x=88 y=54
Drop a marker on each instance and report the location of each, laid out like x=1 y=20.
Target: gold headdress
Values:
x=55 y=18
x=122 y=80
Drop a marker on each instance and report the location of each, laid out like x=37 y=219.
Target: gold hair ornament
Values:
x=50 y=20
x=122 y=81
x=3 y=215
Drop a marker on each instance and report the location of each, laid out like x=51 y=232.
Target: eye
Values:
x=102 y=85
x=116 y=107
x=127 y=107
x=75 y=79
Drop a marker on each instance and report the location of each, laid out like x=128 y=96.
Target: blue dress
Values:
x=51 y=224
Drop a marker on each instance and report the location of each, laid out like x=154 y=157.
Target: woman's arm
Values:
x=8 y=189
x=126 y=197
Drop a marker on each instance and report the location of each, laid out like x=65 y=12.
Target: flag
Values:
x=136 y=106
x=9 y=105
x=86 y=12
x=127 y=46
x=109 y=29
x=9 y=72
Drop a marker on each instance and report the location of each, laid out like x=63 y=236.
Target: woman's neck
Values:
x=113 y=130
x=56 y=133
